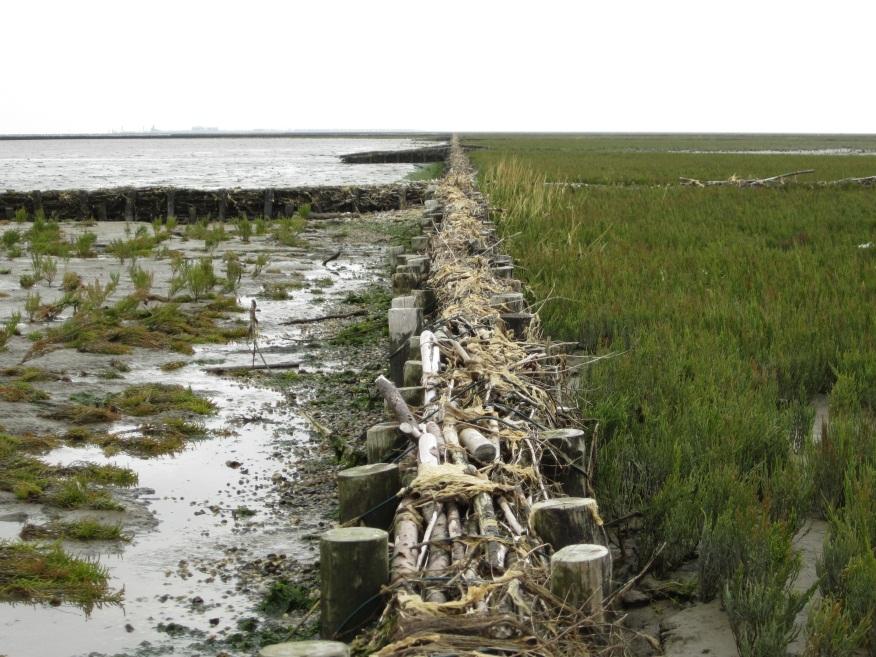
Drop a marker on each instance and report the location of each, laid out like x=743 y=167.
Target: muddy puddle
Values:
x=197 y=518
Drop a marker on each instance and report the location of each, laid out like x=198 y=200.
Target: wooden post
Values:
x=268 y=210
x=101 y=211
x=509 y=302
x=171 y=210
x=84 y=206
x=368 y=492
x=36 y=197
x=403 y=283
x=503 y=271
x=193 y=214
x=565 y=521
x=381 y=441
x=413 y=373
x=412 y=396
x=288 y=209
x=581 y=577
x=353 y=567
x=130 y=200
x=394 y=252
x=403 y=323
x=223 y=204
x=306 y=649
x=420 y=243
x=517 y=323
x=564 y=459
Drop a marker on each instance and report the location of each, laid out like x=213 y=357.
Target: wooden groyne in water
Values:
x=473 y=529
x=148 y=203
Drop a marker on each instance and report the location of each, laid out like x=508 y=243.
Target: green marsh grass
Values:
x=724 y=311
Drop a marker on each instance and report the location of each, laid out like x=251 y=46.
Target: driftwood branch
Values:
x=743 y=182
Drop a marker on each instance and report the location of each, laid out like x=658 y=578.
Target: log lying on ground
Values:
x=225 y=369
x=743 y=182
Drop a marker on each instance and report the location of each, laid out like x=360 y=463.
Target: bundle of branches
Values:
x=468 y=573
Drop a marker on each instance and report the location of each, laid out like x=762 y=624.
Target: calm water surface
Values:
x=201 y=163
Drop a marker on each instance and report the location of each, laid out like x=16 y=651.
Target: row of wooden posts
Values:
x=354 y=560
x=148 y=203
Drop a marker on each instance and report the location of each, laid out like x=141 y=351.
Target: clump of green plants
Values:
x=32 y=304
x=72 y=487
x=261 y=261
x=234 y=271
x=261 y=226
x=153 y=398
x=287 y=231
x=427 y=172
x=46 y=574
x=20 y=391
x=244 y=229
x=140 y=245
x=173 y=365
x=165 y=436
x=198 y=278
x=9 y=328
x=20 y=215
x=27 y=281
x=86 y=529
x=283 y=597
x=83 y=244
x=71 y=281
x=11 y=239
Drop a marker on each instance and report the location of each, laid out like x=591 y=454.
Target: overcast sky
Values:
x=765 y=66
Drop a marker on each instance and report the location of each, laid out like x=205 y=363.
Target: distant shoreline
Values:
x=229 y=135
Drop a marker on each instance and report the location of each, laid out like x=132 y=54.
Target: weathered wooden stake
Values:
x=581 y=576
x=223 y=204
x=413 y=373
x=512 y=302
x=101 y=211
x=193 y=214
x=84 y=206
x=36 y=197
x=353 y=566
x=268 y=210
x=565 y=457
x=565 y=521
x=517 y=323
x=171 y=210
x=306 y=649
x=130 y=201
x=381 y=441
x=368 y=492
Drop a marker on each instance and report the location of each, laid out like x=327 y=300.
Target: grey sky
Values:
x=582 y=66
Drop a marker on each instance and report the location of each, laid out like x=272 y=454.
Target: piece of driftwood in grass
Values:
x=366 y=493
x=742 y=182
x=353 y=568
x=313 y=648
x=565 y=521
x=481 y=449
x=580 y=576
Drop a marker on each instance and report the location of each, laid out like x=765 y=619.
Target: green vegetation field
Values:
x=727 y=312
